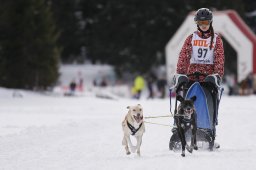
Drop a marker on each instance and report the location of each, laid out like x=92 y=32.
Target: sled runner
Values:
x=208 y=94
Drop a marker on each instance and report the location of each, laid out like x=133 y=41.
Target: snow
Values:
x=39 y=132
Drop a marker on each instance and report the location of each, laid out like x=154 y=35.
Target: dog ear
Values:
x=180 y=98
x=193 y=98
x=138 y=105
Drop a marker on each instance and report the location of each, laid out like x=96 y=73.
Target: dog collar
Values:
x=133 y=129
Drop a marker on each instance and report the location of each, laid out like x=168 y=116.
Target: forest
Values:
x=37 y=35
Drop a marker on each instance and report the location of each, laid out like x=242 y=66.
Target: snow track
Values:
x=84 y=133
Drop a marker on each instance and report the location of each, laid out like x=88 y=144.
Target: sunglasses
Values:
x=206 y=22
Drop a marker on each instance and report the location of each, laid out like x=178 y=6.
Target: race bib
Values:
x=201 y=52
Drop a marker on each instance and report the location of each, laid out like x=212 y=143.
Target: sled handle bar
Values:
x=197 y=74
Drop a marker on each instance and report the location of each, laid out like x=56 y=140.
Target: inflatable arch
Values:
x=232 y=28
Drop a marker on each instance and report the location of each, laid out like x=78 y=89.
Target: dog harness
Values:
x=186 y=122
x=133 y=129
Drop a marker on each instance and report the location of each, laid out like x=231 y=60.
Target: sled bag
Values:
x=203 y=117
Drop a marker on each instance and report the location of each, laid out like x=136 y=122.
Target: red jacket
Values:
x=184 y=66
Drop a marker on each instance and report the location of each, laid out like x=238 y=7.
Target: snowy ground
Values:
x=84 y=133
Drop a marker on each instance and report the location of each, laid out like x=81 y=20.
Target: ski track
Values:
x=84 y=133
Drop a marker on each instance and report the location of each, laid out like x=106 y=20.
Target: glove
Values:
x=178 y=79
x=214 y=78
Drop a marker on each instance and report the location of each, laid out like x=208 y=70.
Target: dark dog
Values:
x=185 y=120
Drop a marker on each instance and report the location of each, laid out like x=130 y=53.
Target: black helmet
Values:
x=203 y=14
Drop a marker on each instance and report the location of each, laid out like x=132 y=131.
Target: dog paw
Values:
x=217 y=145
x=138 y=153
x=133 y=149
x=189 y=149
x=196 y=147
x=128 y=153
x=211 y=148
x=183 y=154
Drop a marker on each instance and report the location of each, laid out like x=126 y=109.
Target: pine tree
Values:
x=29 y=56
x=68 y=20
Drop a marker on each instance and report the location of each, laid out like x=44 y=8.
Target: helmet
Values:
x=203 y=14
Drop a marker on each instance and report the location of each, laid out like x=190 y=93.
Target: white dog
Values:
x=133 y=125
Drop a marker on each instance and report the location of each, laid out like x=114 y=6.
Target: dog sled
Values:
x=208 y=94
